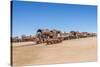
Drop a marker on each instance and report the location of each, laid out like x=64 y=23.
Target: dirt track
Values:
x=78 y=50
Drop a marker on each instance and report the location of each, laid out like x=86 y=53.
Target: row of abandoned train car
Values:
x=52 y=36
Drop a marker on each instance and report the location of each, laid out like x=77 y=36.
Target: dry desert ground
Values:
x=69 y=51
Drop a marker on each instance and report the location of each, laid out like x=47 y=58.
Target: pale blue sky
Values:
x=29 y=16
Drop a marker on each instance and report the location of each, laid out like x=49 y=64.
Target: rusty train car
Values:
x=48 y=36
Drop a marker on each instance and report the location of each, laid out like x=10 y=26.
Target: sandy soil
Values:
x=69 y=51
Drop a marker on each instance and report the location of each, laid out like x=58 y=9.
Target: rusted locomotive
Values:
x=48 y=36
